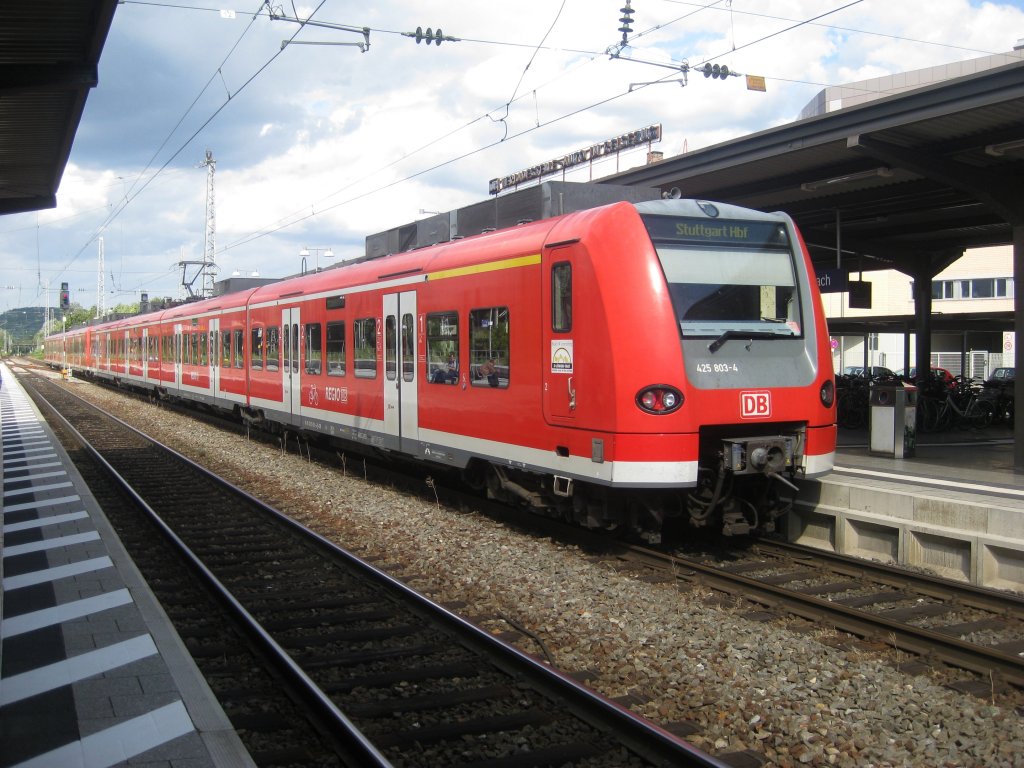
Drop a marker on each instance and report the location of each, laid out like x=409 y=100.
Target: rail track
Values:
x=937 y=620
x=372 y=672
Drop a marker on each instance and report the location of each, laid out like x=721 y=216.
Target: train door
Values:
x=559 y=353
x=145 y=353
x=290 y=369
x=214 y=356
x=177 y=355
x=401 y=403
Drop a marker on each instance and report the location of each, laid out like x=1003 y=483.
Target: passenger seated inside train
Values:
x=447 y=375
x=489 y=371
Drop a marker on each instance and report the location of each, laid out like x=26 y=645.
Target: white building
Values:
x=981 y=281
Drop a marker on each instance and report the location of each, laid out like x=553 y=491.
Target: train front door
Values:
x=291 y=370
x=560 y=367
x=401 y=404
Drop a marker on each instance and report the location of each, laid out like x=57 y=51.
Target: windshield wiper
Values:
x=716 y=345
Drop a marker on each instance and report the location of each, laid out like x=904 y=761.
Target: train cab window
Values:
x=239 y=348
x=336 y=349
x=273 y=348
x=561 y=297
x=489 y=347
x=364 y=333
x=257 y=348
x=742 y=280
x=443 y=348
x=314 y=349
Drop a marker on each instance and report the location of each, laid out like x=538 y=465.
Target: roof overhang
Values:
x=928 y=172
x=49 y=60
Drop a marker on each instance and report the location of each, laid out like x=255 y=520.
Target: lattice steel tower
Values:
x=209 y=268
x=207 y=271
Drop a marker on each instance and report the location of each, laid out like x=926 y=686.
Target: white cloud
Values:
x=338 y=144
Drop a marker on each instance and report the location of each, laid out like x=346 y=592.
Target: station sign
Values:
x=832 y=280
x=648 y=135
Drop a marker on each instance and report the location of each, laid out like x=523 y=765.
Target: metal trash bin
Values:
x=893 y=420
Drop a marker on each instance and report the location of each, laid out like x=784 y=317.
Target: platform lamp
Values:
x=328 y=253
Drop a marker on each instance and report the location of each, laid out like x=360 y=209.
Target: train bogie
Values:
x=617 y=366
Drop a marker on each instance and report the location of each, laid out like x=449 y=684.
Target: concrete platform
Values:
x=91 y=672
x=955 y=507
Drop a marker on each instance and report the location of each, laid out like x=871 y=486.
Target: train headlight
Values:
x=659 y=399
x=828 y=393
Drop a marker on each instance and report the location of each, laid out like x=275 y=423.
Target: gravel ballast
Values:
x=792 y=697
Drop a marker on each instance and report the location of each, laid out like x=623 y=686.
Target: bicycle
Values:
x=961 y=408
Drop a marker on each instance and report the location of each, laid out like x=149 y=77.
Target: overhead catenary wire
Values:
x=128 y=195
x=538 y=122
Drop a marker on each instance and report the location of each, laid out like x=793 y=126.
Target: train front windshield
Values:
x=728 y=276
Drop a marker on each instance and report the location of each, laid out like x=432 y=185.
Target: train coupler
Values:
x=735 y=524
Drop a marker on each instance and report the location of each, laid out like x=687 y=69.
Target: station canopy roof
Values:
x=49 y=60
x=910 y=180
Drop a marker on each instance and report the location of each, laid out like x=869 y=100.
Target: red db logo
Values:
x=755 y=405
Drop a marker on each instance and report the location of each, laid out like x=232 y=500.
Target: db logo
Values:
x=755 y=405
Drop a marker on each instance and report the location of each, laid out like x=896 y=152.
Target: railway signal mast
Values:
x=101 y=306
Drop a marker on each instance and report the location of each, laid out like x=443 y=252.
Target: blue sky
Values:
x=320 y=145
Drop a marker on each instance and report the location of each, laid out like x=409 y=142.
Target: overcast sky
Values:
x=318 y=146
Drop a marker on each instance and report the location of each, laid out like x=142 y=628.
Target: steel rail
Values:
x=363 y=748
x=923 y=642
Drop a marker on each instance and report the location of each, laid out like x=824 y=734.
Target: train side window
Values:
x=489 y=347
x=390 y=348
x=202 y=348
x=443 y=347
x=239 y=348
x=225 y=343
x=314 y=350
x=364 y=332
x=336 y=349
x=408 y=351
x=257 y=348
x=274 y=347
x=561 y=297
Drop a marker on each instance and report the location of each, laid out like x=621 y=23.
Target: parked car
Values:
x=877 y=371
x=940 y=374
x=1001 y=376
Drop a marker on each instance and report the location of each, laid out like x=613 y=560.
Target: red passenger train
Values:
x=617 y=366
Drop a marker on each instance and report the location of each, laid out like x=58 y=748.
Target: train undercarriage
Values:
x=745 y=489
